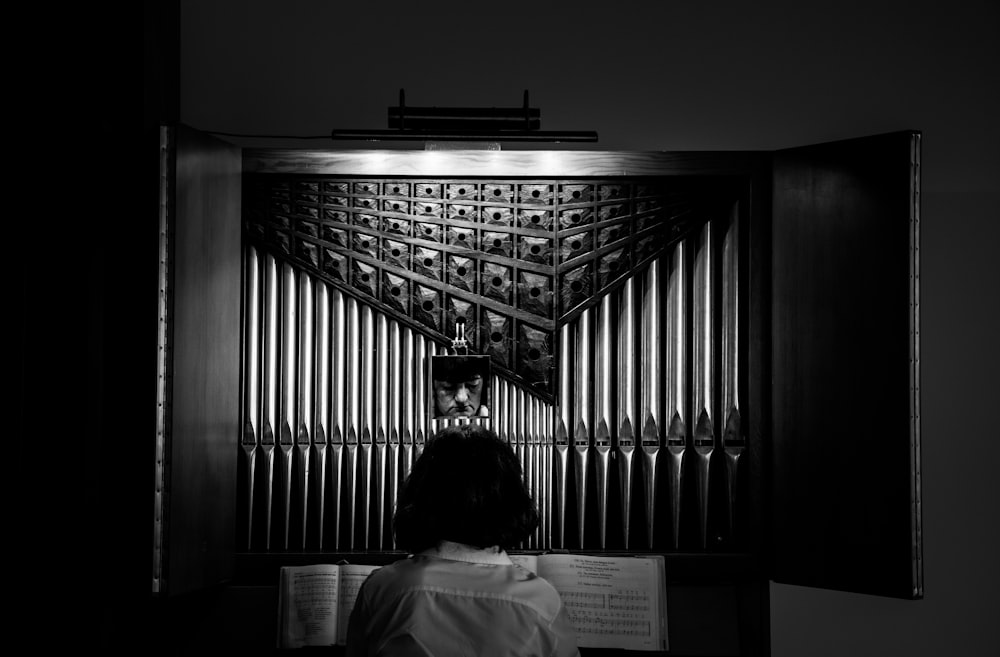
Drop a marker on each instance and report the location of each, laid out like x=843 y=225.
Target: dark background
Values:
x=706 y=76
x=645 y=75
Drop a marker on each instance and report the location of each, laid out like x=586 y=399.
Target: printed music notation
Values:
x=313 y=596
x=350 y=584
x=631 y=601
x=621 y=613
x=351 y=579
x=315 y=602
x=613 y=602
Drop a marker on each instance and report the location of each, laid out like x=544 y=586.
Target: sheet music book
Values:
x=315 y=603
x=613 y=602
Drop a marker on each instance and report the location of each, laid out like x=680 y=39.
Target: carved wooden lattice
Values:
x=517 y=259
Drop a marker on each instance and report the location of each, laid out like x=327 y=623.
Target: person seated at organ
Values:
x=462 y=507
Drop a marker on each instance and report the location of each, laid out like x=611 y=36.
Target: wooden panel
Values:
x=200 y=477
x=496 y=163
x=845 y=443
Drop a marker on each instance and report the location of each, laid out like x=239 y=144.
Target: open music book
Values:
x=315 y=603
x=613 y=602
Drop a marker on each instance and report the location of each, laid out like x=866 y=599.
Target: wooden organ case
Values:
x=711 y=356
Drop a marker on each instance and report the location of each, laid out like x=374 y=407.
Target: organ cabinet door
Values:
x=711 y=356
x=845 y=366
x=198 y=335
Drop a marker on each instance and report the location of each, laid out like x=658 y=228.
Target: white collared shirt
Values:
x=468 y=553
x=459 y=600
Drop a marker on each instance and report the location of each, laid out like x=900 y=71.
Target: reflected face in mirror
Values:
x=458 y=398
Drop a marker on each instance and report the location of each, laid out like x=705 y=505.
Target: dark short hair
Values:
x=465 y=487
x=459 y=368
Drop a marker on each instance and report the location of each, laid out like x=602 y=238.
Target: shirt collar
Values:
x=468 y=553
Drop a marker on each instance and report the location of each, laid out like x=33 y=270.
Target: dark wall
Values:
x=703 y=76
x=80 y=254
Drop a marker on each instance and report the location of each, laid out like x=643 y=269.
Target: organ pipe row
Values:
x=641 y=450
x=334 y=407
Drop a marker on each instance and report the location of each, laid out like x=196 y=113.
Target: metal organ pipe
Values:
x=338 y=404
x=548 y=487
x=353 y=383
x=409 y=402
x=704 y=379
x=604 y=419
x=528 y=449
x=394 y=442
x=732 y=437
x=380 y=448
x=626 y=415
x=304 y=404
x=420 y=395
x=523 y=449
x=676 y=370
x=650 y=364
x=499 y=412
x=365 y=438
x=505 y=413
x=626 y=353
x=560 y=448
x=339 y=345
x=430 y=351
x=535 y=461
x=271 y=374
x=251 y=386
x=286 y=417
x=542 y=449
x=351 y=449
x=321 y=432
x=584 y=419
x=369 y=374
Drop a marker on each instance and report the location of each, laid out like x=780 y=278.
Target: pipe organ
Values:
x=671 y=337
x=611 y=313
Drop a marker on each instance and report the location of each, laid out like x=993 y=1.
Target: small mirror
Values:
x=460 y=386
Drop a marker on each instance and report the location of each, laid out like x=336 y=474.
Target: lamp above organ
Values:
x=465 y=124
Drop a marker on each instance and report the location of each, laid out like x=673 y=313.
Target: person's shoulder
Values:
x=534 y=590
x=397 y=573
